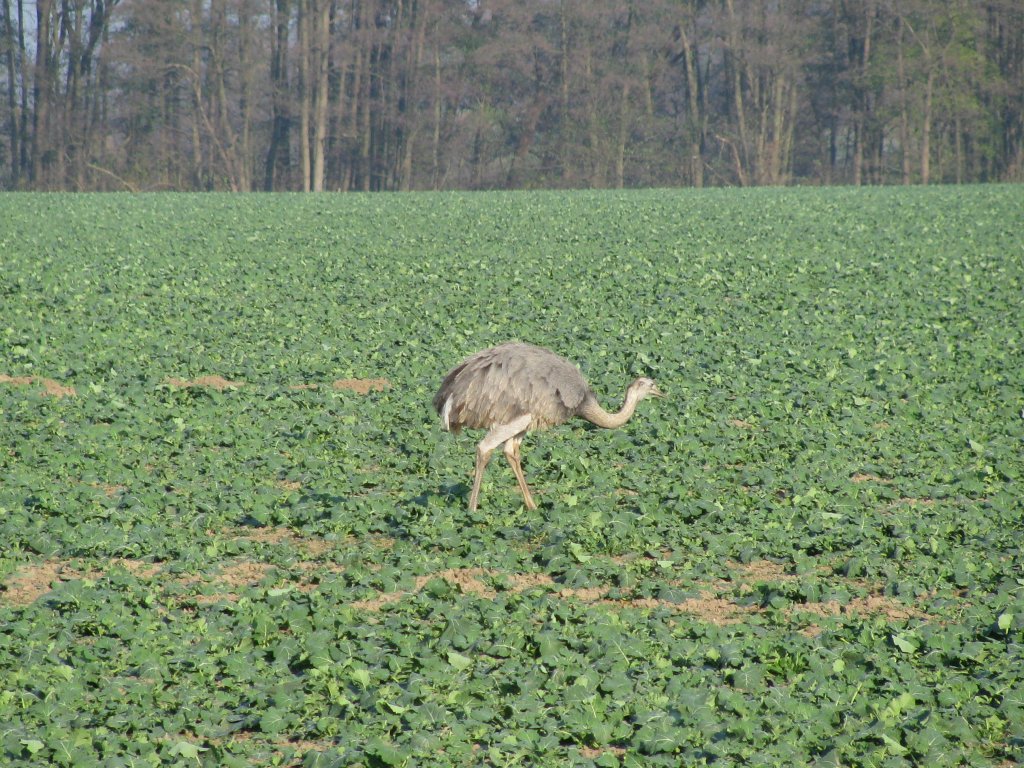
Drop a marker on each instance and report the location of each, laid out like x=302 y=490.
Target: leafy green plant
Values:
x=235 y=535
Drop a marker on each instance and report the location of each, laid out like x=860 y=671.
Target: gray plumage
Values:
x=502 y=383
x=515 y=387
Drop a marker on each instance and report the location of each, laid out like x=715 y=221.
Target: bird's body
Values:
x=514 y=388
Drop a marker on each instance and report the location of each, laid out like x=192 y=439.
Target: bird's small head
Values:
x=644 y=387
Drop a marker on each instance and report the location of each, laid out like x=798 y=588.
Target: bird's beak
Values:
x=655 y=392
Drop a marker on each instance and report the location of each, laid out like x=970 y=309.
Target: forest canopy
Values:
x=316 y=95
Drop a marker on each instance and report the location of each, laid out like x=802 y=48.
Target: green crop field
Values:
x=233 y=533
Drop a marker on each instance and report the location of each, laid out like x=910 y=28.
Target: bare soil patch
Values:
x=467 y=580
x=523 y=581
x=50 y=387
x=139 y=568
x=362 y=386
x=713 y=609
x=871 y=605
x=709 y=606
x=712 y=602
x=910 y=501
x=868 y=477
x=310 y=545
x=109 y=489
x=236 y=576
x=359 y=386
x=760 y=571
x=246 y=573
x=374 y=604
x=587 y=594
x=33 y=580
x=592 y=753
x=213 y=382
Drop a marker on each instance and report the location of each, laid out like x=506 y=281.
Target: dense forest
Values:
x=470 y=94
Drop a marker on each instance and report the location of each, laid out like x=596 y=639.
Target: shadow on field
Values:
x=448 y=492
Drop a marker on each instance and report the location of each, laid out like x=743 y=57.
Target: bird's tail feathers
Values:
x=446 y=411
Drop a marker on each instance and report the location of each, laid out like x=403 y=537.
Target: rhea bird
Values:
x=514 y=388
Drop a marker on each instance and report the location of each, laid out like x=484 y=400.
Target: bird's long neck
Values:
x=592 y=411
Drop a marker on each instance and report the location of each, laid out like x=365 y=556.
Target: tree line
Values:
x=316 y=95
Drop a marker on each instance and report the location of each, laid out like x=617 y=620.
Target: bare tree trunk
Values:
x=901 y=74
x=864 y=106
x=13 y=62
x=928 y=44
x=304 y=90
x=411 y=119
x=564 y=118
x=360 y=109
x=596 y=172
x=42 y=92
x=740 y=144
x=958 y=148
x=647 y=71
x=563 y=63
x=224 y=132
x=926 y=128
x=391 y=115
x=696 y=120
x=199 y=173
x=69 y=138
x=321 y=60
x=245 y=101
x=279 y=94
x=435 y=170
x=95 y=86
x=23 y=129
x=477 y=159
x=366 y=125
x=790 y=136
x=774 y=125
x=620 y=149
x=356 y=105
x=81 y=24
x=526 y=136
x=352 y=97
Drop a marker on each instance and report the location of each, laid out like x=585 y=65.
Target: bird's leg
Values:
x=512 y=454
x=497 y=435
x=482 y=457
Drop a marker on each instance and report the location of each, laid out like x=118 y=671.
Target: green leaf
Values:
x=893 y=746
x=898 y=706
x=32 y=745
x=187 y=750
x=458 y=661
x=273 y=721
x=908 y=642
x=387 y=753
x=578 y=552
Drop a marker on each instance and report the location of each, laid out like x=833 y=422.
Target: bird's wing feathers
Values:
x=502 y=383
